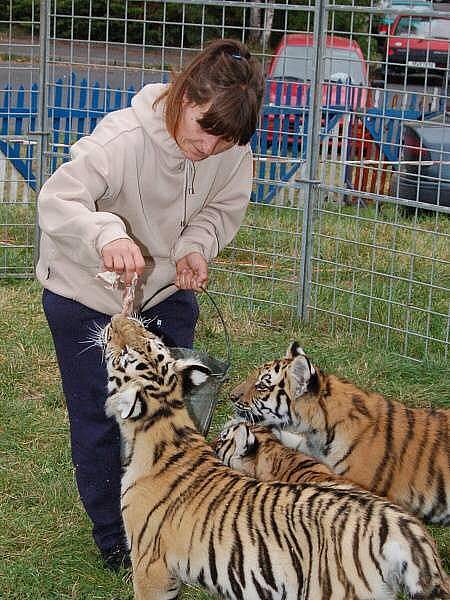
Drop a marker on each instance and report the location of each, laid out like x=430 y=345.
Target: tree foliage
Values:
x=170 y=24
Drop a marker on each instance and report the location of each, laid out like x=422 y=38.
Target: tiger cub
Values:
x=256 y=451
x=190 y=518
x=381 y=445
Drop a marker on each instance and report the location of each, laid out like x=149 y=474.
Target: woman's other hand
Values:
x=192 y=272
x=123 y=256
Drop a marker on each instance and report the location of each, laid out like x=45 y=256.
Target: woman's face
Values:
x=195 y=143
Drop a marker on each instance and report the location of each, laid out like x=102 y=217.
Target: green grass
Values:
x=371 y=303
x=374 y=273
x=45 y=541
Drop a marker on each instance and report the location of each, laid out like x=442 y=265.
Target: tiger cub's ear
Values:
x=193 y=372
x=129 y=403
x=294 y=350
x=299 y=373
x=245 y=439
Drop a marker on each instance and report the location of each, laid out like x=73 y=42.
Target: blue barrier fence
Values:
x=75 y=107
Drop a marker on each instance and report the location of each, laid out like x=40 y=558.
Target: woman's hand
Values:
x=192 y=272
x=123 y=256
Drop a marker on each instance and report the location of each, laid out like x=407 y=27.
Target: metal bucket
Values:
x=202 y=400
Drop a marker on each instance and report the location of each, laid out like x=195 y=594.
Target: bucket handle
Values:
x=222 y=320
x=214 y=303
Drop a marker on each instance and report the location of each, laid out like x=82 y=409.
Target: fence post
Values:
x=312 y=157
x=42 y=132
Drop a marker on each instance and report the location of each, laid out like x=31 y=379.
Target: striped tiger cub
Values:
x=190 y=518
x=256 y=451
x=381 y=445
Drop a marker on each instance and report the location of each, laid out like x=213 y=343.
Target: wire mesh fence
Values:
x=349 y=220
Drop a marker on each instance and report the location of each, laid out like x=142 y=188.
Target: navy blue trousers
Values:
x=95 y=439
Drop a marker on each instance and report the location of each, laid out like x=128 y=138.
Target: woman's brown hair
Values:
x=226 y=76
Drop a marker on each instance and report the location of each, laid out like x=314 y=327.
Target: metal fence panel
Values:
x=19 y=76
x=345 y=227
x=381 y=262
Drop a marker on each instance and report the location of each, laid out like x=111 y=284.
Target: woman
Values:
x=157 y=190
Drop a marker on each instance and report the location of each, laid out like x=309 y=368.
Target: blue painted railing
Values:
x=18 y=118
x=74 y=109
x=377 y=137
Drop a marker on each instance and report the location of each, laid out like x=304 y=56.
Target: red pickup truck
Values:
x=419 y=44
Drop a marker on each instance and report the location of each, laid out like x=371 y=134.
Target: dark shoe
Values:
x=116 y=558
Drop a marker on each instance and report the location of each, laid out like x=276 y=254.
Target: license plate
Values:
x=421 y=65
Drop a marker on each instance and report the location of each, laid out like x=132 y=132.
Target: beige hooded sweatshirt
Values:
x=130 y=179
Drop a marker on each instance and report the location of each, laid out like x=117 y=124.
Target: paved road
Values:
x=120 y=66
x=22 y=74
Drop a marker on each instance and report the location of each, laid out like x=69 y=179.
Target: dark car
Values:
x=424 y=170
x=419 y=44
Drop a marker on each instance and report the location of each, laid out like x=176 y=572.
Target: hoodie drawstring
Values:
x=189 y=177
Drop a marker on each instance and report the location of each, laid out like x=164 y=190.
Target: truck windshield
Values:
x=424 y=27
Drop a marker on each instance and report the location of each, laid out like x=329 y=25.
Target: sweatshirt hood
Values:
x=153 y=121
